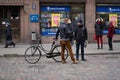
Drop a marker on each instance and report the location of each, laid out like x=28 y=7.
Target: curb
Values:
x=17 y=55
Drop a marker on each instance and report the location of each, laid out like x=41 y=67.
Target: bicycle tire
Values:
x=57 y=51
x=32 y=54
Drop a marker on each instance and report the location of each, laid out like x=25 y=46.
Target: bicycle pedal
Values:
x=48 y=56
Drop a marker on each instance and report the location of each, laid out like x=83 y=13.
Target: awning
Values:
x=12 y=2
x=108 y=1
x=83 y=1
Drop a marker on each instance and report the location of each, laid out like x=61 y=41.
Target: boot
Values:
x=13 y=44
x=101 y=46
x=6 y=46
x=98 y=46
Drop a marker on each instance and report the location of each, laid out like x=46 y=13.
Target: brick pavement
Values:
x=97 y=67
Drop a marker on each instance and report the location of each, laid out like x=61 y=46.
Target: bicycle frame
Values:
x=39 y=45
x=33 y=53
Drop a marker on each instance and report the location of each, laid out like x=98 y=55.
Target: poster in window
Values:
x=113 y=18
x=55 y=20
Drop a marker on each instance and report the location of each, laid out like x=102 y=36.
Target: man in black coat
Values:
x=80 y=37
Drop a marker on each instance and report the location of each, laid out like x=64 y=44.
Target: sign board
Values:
x=34 y=18
x=55 y=8
x=108 y=9
x=55 y=19
x=113 y=18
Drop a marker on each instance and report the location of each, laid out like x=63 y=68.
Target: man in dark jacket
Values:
x=64 y=40
x=80 y=37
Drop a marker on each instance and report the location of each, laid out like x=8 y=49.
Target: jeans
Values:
x=66 y=44
x=77 y=50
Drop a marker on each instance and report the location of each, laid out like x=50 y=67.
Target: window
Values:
x=9 y=12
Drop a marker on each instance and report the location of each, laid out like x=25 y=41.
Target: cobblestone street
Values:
x=97 y=67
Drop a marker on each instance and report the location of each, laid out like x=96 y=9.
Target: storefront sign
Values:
x=55 y=19
x=55 y=8
x=48 y=32
x=34 y=18
x=113 y=18
x=117 y=31
x=108 y=9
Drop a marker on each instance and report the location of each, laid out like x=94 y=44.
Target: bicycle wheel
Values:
x=56 y=54
x=32 y=54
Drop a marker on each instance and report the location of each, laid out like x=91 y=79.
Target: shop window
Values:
x=109 y=13
x=110 y=17
x=15 y=13
x=51 y=17
x=77 y=13
x=9 y=12
x=3 y=12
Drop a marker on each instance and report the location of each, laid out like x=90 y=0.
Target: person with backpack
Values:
x=80 y=38
x=64 y=40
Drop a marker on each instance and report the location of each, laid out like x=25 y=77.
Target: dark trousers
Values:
x=78 y=44
x=110 y=42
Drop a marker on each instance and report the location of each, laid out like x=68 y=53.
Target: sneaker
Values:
x=110 y=49
x=63 y=62
x=77 y=60
x=5 y=47
x=84 y=60
x=13 y=45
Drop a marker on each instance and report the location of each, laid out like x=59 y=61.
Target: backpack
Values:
x=69 y=32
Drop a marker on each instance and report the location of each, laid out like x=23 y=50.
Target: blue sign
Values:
x=105 y=31
x=55 y=8
x=108 y=9
x=34 y=18
x=48 y=31
x=117 y=31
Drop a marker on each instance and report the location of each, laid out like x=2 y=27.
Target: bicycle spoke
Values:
x=32 y=55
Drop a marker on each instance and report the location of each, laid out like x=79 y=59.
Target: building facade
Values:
x=44 y=16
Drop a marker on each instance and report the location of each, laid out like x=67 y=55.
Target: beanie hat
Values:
x=80 y=21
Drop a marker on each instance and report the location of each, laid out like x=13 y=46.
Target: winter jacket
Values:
x=80 y=34
x=110 y=31
x=8 y=33
x=98 y=28
x=61 y=29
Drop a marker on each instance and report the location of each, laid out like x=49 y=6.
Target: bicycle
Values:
x=33 y=53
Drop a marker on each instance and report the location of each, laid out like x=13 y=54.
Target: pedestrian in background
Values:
x=8 y=35
x=99 y=32
x=110 y=34
x=64 y=40
x=80 y=38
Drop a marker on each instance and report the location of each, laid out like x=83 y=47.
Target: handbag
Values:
x=94 y=37
x=9 y=42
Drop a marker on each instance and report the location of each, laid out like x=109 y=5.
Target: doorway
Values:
x=11 y=13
